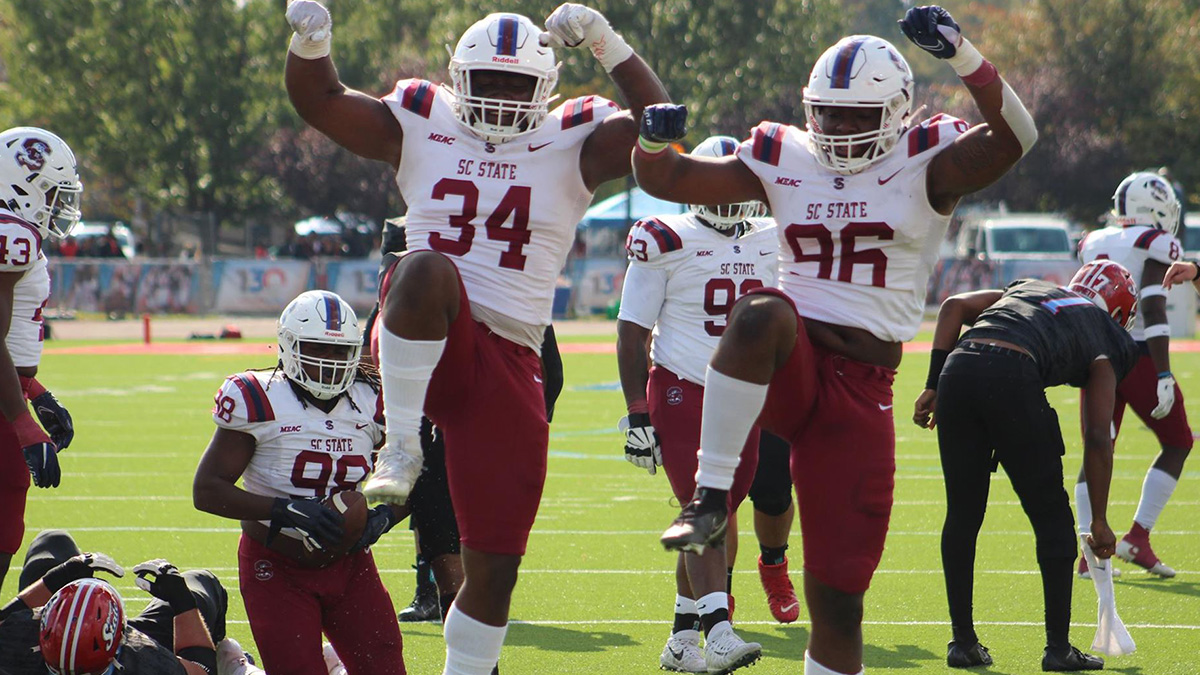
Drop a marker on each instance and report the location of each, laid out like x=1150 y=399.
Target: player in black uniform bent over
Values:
x=989 y=405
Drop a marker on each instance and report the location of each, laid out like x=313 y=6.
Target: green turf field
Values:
x=596 y=591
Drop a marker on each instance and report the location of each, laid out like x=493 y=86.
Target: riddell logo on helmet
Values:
x=506 y=59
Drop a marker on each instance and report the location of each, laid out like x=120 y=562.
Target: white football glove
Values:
x=572 y=25
x=641 y=442
x=313 y=28
x=1166 y=397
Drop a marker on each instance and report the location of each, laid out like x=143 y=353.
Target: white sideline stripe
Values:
x=659 y=622
x=230 y=573
x=571 y=533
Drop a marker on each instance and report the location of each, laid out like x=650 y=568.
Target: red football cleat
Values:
x=781 y=595
x=731 y=603
x=1135 y=548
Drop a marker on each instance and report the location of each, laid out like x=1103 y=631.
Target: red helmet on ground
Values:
x=1111 y=287
x=82 y=627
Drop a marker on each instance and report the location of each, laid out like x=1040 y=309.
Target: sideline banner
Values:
x=258 y=286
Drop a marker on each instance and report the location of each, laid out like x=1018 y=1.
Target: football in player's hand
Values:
x=353 y=507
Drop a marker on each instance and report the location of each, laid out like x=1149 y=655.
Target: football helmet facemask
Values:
x=316 y=319
x=724 y=216
x=1145 y=198
x=860 y=71
x=39 y=180
x=1110 y=286
x=82 y=628
x=506 y=43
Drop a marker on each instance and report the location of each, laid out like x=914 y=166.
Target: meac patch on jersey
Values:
x=300 y=451
x=856 y=249
x=504 y=213
x=683 y=279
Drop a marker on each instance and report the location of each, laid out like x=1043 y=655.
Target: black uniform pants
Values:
x=992 y=409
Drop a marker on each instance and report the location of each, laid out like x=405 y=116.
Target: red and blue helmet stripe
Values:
x=844 y=62
x=333 y=312
x=506 y=41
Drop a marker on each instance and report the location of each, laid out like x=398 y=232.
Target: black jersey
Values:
x=1063 y=331
x=19 y=653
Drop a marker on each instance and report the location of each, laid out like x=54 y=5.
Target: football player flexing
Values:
x=1144 y=240
x=685 y=272
x=496 y=183
x=39 y=198
x=863 y=198
x=985 y=393
x=296 y=434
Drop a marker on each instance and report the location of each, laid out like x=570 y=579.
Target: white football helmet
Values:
x=39 y=180
x=860 y=71
x=506 y=43
x=724 y=216
x=323 y=318
x=1145 y=198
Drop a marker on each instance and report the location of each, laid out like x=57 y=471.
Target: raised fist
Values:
x=313 y=26
x=572 y=25
x=933 y=29
x=663 y=122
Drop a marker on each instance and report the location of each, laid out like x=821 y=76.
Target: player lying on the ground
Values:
x=866 y=194
x=299 y=433
x=1144 y=240
x=986 y=395
x=67 y=620
x=39 y=198
x=685 y=271
x=495 y=182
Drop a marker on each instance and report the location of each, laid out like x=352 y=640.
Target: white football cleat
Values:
x=332 y=661
x=233 y=660
x=725 y=652
x=682 y=653
x=396 y=472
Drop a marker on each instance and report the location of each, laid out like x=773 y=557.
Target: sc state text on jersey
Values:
x=332 y=444
x=487 y=169
x=821 y=210
x=737 y=269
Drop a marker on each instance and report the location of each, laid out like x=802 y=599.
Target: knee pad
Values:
x=771 y=504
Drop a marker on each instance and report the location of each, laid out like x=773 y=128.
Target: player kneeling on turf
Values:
x=295 y=435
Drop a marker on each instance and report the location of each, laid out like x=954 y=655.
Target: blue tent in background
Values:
x=617 y=210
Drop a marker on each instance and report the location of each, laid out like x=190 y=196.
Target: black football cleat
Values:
x=424 y=607
x=701 y=523
x=1070 y=661
x=961 y=656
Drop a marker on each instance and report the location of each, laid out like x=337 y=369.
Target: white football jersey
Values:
x=300 y=451
x=504 y=213
x=855 y=250
x=1131 y=247
x=21 y=252
x=683 y=279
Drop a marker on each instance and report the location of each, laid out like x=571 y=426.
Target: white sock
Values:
x=813 y=668
x=1156 y=490
x=685 y=605
x=731 y=407
x=472 y=647
x=1083 y=508
x=406 y=367
x=711 y=603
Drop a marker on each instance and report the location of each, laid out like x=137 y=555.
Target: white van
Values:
x=1016 y=236
x=86 y=230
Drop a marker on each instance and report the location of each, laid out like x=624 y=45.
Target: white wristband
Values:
x=311 y=49
x=1158 y=330
x=1155 y=290
x=611 y=50
x=966 y=59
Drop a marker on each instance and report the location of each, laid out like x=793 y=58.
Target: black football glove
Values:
x=42 y=460
x=663 y=122
x=320 y=525
x=55 y=419
x=932 y=29
x=82 y=566
x=163 y=580
x=380 y=520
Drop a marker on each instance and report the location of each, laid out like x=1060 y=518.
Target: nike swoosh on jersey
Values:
x=535 y=148
x=765 y=252
x=884 y=407
x=885 y=180
x=362 y=426
x=537 y=379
